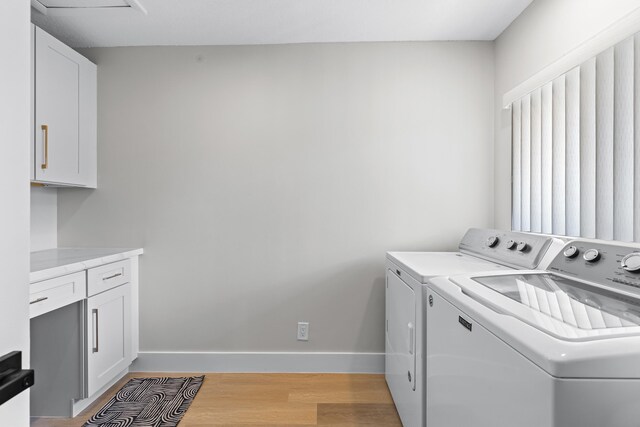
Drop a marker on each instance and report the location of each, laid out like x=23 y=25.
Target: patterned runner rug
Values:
x=148 y=402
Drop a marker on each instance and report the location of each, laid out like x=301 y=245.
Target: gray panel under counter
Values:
x=57 y=351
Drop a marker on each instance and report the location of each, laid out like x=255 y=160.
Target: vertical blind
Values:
x=576 y=150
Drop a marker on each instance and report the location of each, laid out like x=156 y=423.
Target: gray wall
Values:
x=543 y=33
x=265 y=183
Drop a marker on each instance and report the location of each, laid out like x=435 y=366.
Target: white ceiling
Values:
x=233 y=22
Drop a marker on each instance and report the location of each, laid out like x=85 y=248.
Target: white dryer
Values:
x=406 y=276
x=556 y=348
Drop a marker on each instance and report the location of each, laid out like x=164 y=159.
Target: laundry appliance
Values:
x=555 y=348
x=406 y=275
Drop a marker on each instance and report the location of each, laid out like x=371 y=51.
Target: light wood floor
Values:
x=274 y=400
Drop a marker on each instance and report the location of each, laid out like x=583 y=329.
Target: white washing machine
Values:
x=406 y=275
x=557 y=348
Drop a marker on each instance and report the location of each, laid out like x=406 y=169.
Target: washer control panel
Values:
x=613 y=265
x=571 y=251
x=631 y=262
x=591 y=255
x=506 y=247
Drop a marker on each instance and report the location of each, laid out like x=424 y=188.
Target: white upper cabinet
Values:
x=65 y=110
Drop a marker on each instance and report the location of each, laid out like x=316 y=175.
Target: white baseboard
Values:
x=258 y=362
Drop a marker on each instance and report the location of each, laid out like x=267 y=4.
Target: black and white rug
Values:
x=148 y=402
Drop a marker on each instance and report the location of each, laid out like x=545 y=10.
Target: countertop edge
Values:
x=50 y=273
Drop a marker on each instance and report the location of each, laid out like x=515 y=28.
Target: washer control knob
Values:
x=492 y=241
x=571 y=252
x=631 y=262
x=591 y=255
x=511 y=244
x=522 y=246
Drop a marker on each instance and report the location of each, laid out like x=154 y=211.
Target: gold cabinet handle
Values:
x=45 y=130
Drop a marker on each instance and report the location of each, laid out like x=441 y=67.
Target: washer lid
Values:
x=424 y=265
x=520 y=309
x=565 y=308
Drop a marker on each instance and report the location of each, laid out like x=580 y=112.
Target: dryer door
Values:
x=400 y=337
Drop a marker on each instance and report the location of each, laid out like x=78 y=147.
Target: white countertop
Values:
x=60 y=261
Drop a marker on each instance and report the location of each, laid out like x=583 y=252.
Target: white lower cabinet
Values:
x=108 y=336
x=84 y=329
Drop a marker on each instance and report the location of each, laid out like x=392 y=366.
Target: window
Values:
x=576 y=150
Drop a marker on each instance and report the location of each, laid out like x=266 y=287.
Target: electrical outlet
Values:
x=303 y=331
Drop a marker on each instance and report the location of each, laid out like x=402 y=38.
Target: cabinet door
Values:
x=109 y=336
x=65 y=128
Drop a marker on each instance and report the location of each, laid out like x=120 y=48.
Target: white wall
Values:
x=44 y=218
x=544 y=32
x=14 y=188
x=266 y=182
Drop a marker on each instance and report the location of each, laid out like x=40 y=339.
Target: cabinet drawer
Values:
x=108 y=276
x=52 y=294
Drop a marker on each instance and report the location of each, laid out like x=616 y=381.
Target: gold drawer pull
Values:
x=45 y=130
